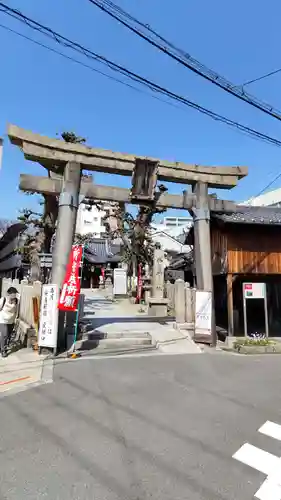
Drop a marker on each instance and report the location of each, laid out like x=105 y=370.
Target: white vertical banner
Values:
x=203 y=313
x=1 y=151
x=48 y=327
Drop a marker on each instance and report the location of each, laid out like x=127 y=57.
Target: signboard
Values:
x=46 y=260
x=69 y=297
x=254 y=290
x=120 y=281
x=203 y=313
x=48 y=330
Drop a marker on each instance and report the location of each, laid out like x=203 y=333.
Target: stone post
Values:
x=180 y=302
x=169 y=292
x=157 y=303
x=188 y=304
x=147 y=283
x=158 y=273
x=170 y=295
x=193 y=304
x=108 y=286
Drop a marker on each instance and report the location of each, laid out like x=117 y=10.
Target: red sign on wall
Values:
x=248 y=286
x=69 y=297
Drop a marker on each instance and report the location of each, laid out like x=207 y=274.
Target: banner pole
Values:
x=78 y=308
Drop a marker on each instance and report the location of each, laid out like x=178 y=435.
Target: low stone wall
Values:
x=181 y=299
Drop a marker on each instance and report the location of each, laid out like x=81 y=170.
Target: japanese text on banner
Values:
x=48 y=329
x=71 y=286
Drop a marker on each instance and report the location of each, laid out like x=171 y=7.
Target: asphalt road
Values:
x=159 y=427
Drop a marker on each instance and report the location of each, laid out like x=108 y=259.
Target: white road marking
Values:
x=269 y=491
x=264 y=462
x=271 y=429
x=256 y=458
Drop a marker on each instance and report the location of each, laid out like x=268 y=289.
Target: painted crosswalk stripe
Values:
x=269 y=490
x=264 y=462
x=271 y=429
x=256 y=458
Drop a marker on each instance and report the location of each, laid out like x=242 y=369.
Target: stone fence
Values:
x=181 y=301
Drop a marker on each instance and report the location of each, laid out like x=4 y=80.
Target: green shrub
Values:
x=248 y=341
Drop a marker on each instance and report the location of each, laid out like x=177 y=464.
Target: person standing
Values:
x=8 y=314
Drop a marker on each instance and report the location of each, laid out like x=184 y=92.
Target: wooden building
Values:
x=246 y=247
x=180 y=267
x=11 y=265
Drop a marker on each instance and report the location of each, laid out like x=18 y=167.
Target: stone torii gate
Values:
x=68 y=160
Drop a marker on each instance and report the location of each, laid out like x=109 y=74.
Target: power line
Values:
x=131 y=75
x=267 y=75
x=181 y=56
x=267 y=186
x=73 y=59
x=51 y=49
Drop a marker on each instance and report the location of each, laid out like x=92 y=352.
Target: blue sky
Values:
x=45 y=93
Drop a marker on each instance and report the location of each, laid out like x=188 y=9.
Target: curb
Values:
x=47 y=371
x=46 y=377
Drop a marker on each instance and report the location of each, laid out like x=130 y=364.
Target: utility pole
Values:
x=202 y=246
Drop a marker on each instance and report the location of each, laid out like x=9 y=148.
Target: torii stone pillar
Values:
x=202 y=251
x=68 y=206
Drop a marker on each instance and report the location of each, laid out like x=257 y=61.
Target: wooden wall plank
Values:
x=218 y=250
x=254 y=249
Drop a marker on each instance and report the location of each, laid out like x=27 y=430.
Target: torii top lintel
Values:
x=54 y=152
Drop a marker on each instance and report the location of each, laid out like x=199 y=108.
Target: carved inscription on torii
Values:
x=144 y=179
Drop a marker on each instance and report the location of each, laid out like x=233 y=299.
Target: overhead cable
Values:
x=136 y=78
x=267 y=75
x=182 y=57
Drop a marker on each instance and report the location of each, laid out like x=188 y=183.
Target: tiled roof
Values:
x=268 y=216
x=101 y=251
x=181 y=260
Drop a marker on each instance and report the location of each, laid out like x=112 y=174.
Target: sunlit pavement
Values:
x=23 y=369
x=137 y=428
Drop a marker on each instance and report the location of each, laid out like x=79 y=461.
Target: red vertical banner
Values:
x=70 y=292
